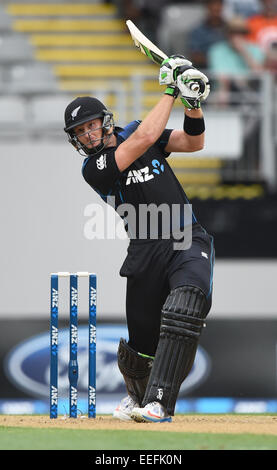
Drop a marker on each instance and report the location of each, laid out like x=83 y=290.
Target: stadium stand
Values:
x=15 y=49
x=31 y=79
x=5 y=20
x=60 y=49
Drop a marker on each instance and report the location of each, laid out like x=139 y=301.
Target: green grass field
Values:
x=24 y=438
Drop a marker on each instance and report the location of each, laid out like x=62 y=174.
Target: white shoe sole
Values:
x=144 y=417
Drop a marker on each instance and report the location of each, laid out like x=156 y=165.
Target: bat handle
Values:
x=194 y=86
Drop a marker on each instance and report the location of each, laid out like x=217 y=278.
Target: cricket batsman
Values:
x=169 y=291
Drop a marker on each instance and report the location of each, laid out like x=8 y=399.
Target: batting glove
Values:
x=170 y=69
x=194 y=87
x=172 y=90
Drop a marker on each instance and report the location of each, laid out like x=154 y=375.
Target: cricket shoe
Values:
x=152 y=413
x=124 y=409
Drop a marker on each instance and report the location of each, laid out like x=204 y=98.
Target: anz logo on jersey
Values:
x=142 y=175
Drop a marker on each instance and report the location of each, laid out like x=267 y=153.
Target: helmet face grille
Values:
x=83 y=109
x=85 y=151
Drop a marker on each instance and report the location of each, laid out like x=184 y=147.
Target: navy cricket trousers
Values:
x=153 y=268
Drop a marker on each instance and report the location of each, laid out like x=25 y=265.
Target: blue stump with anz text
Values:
x=73 y=343
x=73 y=346
x=92 y=348
x=54 y=329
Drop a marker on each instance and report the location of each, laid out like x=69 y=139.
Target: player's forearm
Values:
x=194 y=143
x=156 y=120
x=146 y=134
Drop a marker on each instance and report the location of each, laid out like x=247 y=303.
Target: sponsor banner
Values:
x=234 y=369
x=27 y=365
x=106 y=406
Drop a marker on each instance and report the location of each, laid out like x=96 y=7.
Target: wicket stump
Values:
x=73 y=343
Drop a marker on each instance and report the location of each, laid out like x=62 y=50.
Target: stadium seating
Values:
x=13 y=119
x=15 y=49
x=47 y=115
x=5 y=20
x=30 y=79
x=60 y=49
x=51 y=51
x=83 y=44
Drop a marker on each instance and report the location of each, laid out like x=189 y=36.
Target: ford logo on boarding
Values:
x=28 y=364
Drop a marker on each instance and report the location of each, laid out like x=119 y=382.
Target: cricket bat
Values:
x=145 y=45
x=149 y=49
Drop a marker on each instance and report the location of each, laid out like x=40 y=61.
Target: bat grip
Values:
x=194 y=86
x=197 y=85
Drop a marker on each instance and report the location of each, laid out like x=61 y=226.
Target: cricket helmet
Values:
x=84 y=109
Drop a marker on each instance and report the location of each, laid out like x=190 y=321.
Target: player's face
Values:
x=89 y=133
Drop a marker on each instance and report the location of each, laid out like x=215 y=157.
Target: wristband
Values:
x=194 y=126
x=172 y=91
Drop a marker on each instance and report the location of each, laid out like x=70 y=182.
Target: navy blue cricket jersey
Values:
x=148 y=180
